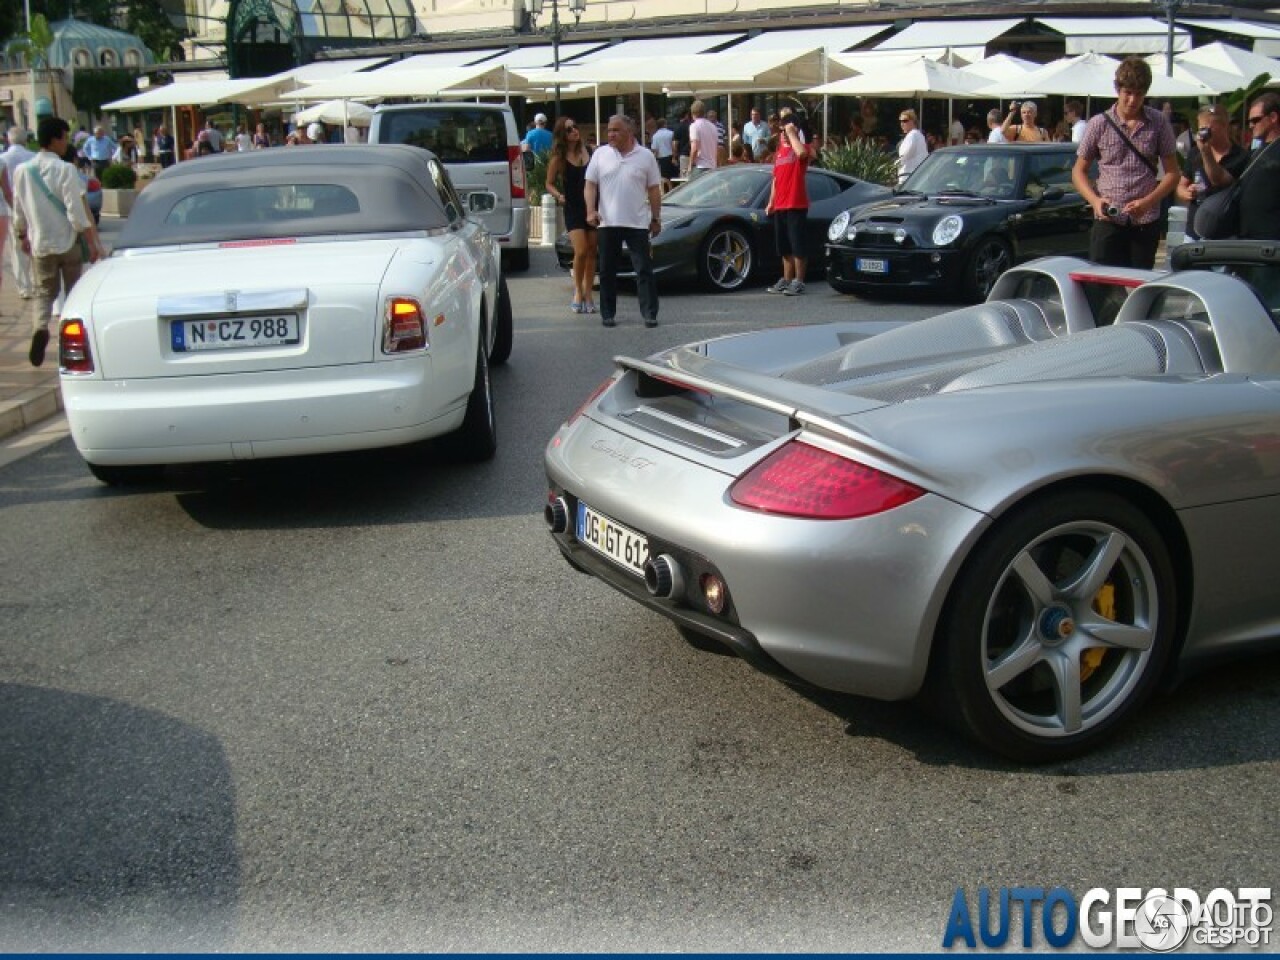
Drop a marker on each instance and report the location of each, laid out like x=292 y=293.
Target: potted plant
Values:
x=118 y=189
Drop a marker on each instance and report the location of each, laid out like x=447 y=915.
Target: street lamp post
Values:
x=1170 y=11
x=577 y=8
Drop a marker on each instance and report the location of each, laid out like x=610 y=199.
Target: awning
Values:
x=445 y=60
x=387 y=82
x=1265 y=36
x=197 y=93
x=531 y=58
x=831 y=39
x=724 y=72
x=327 y=69
x=1115 y=35
x=657 y=48
x=965 y=39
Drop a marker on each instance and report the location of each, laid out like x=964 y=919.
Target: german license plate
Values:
x=609 y=538
x=233 y=333
x=871 y=266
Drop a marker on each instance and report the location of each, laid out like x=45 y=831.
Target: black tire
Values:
x=504 y=327
x=726 y=259
x=477 y=439
x=126 y=476
x=990 y=258
x=1058 y=627
x=515 y=259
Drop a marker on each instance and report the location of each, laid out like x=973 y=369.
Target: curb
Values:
x=28 y=409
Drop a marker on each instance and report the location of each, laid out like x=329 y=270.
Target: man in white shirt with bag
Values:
x=50 y=216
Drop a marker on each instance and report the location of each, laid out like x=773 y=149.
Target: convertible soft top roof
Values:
x=392 y=183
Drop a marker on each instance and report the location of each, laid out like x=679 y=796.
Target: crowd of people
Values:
x=1133 y=159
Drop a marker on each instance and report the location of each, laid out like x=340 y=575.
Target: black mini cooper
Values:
x=961 y=219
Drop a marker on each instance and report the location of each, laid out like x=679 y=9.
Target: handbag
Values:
x=1218 y=214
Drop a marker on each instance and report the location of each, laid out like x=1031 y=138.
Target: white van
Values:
x=480 y=147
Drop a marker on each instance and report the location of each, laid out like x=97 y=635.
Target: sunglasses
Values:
x=904 y=119
x=1258 y=119
x=569 y=128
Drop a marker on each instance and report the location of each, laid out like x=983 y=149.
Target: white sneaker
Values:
x=779 y=287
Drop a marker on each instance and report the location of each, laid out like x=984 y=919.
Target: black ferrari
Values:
x=715 y=228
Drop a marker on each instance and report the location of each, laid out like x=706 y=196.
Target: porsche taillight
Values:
x=515 y=160
x=404 y=327
x=800 y=480
x=74 y=355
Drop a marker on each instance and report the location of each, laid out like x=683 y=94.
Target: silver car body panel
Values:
x=1175 y=403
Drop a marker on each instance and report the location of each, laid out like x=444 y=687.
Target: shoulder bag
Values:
x=61 y=207
x=1218 y=215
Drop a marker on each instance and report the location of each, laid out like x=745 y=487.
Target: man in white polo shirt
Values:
x=624 y=200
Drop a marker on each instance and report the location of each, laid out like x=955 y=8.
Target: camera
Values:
x=1203 y=134
x=1112 y=210
x=1013 y=106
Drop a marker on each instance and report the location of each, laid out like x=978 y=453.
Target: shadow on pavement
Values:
x=117 y=828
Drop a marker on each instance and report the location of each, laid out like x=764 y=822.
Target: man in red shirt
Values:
x=789 y=202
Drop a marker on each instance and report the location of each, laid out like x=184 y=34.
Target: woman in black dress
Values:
x=566 y=181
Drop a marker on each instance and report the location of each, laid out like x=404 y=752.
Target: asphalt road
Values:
x=360 y=703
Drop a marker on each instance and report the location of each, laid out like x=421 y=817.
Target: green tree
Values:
x=34 y=46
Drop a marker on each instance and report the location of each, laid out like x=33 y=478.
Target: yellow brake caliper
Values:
x=1104 y=602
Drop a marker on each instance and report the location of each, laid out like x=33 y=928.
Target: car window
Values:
x=1046 y=170
x=820 y=186
x=990 y=173
x=449 y=198
x=455 y=135
x=263 y=204
x=737 y=186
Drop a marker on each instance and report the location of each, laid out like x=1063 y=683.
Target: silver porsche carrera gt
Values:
x=1028 y=512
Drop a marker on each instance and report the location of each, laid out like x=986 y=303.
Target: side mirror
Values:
x=1052 y=194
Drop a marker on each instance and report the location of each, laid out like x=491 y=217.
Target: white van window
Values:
x=458 y=135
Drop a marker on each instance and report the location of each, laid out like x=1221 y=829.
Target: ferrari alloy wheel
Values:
x=477 y=438
x=504 y=328
x=991 y=257
x=1058 y=627
x=726 y=260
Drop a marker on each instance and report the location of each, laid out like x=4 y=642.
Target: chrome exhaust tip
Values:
x=663 y=577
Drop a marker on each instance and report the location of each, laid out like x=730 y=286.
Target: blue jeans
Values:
x=610 y=252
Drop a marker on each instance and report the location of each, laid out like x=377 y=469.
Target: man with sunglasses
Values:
x=1260 y=188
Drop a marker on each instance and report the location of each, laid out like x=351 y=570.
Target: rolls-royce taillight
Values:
x=74 y=354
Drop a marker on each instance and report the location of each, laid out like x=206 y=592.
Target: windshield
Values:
x=737 y=186
x=983 y=172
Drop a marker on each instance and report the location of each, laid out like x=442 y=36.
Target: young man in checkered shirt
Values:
x=1126 y=198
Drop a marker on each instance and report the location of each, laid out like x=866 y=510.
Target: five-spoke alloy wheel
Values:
x=1058 y=627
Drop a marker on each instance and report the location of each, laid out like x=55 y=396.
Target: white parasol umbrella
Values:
x=916 y=79
x=1088 y=75
x=1228 y=59
x=344 y=112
